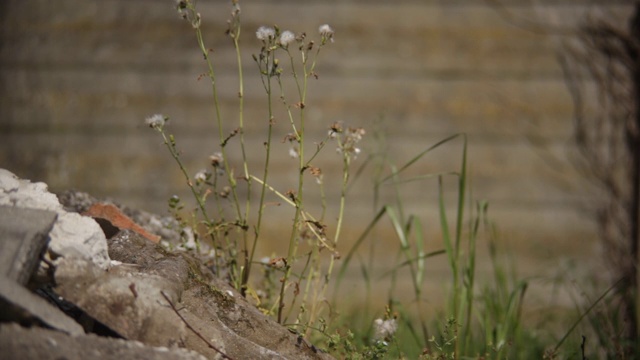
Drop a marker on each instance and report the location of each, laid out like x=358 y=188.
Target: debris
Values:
x=23 y=239
x=72 y=235
x=111 y=219
x=21 y=305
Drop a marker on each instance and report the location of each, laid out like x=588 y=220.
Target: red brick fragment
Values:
x=110 y=213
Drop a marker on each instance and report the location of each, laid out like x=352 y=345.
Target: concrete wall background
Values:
x=79 y=77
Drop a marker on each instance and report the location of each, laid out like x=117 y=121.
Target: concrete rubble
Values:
x=122 y=296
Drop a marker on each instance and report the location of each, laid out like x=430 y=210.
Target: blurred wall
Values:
x=78 y=78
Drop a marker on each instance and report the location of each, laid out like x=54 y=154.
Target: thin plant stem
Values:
x=248 y=258
x=265 y=175
x=223 y=140
x=171 y=145
x=299 y=196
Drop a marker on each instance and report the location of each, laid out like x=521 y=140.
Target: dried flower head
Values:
x=317 y=173
x=335 y=129
x=384 y=329
x=286 y=38
x=216 y=159
x=187 y=11
x=265 y=33
x=156 y=121
x=181 y=5
x=326 y=33
x=202 y=176
x=224 y=193
x=278 y=263
x=348 y=141
x=290 y=137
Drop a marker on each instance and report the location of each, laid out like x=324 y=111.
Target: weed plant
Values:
x=480 y=320
x=282 y=57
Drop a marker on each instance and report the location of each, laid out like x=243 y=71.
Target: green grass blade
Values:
x=410 y=261
x=462 y=186
x=586 y=313
x=444 y=224
x=398 y=227
x=421 y=259
x=419 y=156
x=423 y=177
x=347 y=259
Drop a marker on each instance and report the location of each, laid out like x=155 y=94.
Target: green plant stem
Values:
x=265 y=175
x=170 y=143
x=575 y=324
x=216 y=101
x=248 y=259
x=343 y=195
x=302 y=92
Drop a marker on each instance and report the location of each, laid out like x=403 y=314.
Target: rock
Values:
x=17 y=342
x=165 y=226
x=128 y=299
x=20 y=305
x=23 y=240
x=147 y=294
x=72 y=235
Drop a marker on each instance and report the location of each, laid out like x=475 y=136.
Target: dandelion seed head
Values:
x=156 y=121
x=384 y=329
x=326 y=32
x=286 y=38
x=265 y=33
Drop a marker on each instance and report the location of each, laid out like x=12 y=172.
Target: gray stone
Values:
x=36 y=343
x=8 y=181
x=19 y=304
x=72 y=234
x=23 y=239
x=128 y=299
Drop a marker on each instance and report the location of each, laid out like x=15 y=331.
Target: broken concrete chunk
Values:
x=19 y=304
x=75 y=235
x=128 y=298
x=17 y=342
x=23 y=239
x=72 y=234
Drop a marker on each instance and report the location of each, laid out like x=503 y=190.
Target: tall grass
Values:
x=495 y=312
